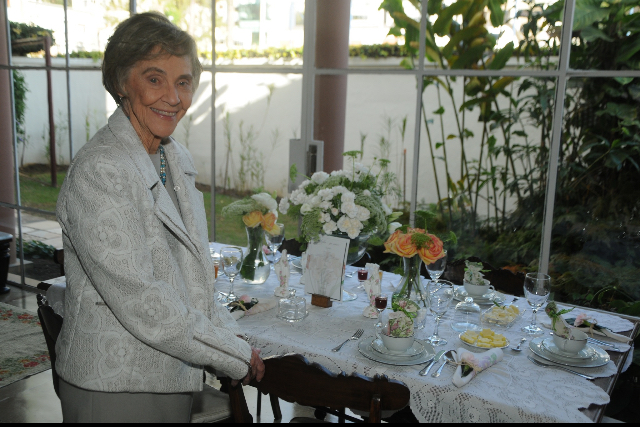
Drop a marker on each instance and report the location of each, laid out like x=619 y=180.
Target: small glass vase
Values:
x=410 y=287
x=255 y=266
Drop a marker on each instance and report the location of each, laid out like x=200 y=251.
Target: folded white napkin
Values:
x=263 y=305
x=373 y=287
x=478 y=361
x=283 y=272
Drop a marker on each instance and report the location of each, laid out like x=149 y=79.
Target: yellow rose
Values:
x=269 y=223
x=252 y=219
x=390 y=244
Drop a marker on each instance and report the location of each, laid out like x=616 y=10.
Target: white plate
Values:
x=459 y=294
x=481 y=348
x=296 y=262
x=364 y=347
x=599 y=358
x=416 y=350
x=549 y=346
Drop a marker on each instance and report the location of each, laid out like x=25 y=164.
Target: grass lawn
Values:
x=36 y=192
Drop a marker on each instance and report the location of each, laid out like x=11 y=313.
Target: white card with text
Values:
x=325 y=265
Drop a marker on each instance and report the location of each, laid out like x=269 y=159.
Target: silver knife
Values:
x=435 y=360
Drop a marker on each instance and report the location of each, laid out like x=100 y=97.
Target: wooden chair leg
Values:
x=275 y=407
x=259 y=409
x=239 y=406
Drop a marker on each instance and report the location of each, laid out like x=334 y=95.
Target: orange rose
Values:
x=432 y=252
x=405 y=247
x=269 y=223
x=390 y=244
x=252 y=219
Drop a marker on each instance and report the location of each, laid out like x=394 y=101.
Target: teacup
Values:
x=479 y=290
x=397 y=344
x=577 y=341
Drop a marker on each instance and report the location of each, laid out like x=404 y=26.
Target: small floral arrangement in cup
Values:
x=258 y=210
x=407 y=242
x=244 y=303
x=473 y=273
x=560 y=329
x=343 y=202
x=400 y=325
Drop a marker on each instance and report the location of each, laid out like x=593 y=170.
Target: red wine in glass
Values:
x=362 y=275
x=381 y=302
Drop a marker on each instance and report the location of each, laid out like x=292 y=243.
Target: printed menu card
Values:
x=325 y=263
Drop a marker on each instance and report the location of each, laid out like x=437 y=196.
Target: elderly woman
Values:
x=141 y=318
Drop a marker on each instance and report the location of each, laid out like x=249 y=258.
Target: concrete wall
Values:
x=268 y=106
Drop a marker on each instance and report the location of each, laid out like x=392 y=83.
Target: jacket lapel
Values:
x=164 y=208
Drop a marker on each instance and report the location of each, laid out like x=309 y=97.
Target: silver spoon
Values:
x=519 y=344
x=448 y=357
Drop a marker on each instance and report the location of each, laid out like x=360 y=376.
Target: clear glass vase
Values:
x=255 y=266
x=410 y=287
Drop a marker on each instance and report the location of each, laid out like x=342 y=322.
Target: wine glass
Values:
x=231 y=259
x=380 y=305
x=274 y=240
x=363 y=274
x=537 y=287
x=436 y=268
x=440 y=295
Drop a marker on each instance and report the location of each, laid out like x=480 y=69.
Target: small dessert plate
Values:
x=416 y=350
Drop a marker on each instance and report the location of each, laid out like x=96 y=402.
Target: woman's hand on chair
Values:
x=256 y=371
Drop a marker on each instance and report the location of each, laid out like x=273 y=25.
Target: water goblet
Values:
x=436 y=268
x=440 y=295
x=380 y=303
x=274 y=240
x=231 y=259
x=537 y=287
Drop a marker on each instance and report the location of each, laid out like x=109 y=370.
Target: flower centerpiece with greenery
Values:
x=346 y=203
x=258 y=213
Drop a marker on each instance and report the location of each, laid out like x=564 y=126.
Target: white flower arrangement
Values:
x=343 y=202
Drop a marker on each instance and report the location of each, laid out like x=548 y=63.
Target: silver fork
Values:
x=355 y=336
x=544 y=365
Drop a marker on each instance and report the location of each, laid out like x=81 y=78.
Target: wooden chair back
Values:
x=294 y=379
x=51 y=325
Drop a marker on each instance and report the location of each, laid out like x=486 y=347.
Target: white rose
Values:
x=366 y=193
x=350 y=226
x=298 y=197
x=305 y=208
x=338 y=173
x=339 y=189
x=348 y=197
x=350 y=209
x=266 y=200
x=393 y=227
x=304 y=183
x=284 y=205
x=316 y=200
x=363 y=213
x=326 y=194
x=325 y=205
x=387 y=210
x=329 y=227
x=335 y=211
x=319 y=177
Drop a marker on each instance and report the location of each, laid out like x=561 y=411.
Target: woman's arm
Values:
x=106 y=205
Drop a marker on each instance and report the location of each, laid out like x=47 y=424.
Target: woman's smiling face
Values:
x=158 y=93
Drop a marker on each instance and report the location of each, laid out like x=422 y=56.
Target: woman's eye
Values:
x=153 y=80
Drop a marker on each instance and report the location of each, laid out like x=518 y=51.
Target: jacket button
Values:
x=176 y=188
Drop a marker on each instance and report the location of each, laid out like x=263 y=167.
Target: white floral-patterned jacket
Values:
x=140 y=314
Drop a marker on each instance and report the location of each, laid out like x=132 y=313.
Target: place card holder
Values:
x=321 y=301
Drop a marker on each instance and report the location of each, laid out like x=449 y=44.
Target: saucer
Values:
x=584 y=354
x=459 y=294
x=599 y=357
x=364 y=347
x=416 y=350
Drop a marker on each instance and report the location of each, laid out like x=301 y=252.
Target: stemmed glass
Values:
x=274 y=241
x=380 y=304
x=231 y=259
x=436 y=268
x=440 y=295
x=537 y=287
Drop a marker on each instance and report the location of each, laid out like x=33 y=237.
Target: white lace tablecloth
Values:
x=514 y=390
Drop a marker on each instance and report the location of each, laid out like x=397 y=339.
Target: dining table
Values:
x=513 y=390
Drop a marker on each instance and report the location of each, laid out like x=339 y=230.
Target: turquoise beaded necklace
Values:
x=163 y=166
